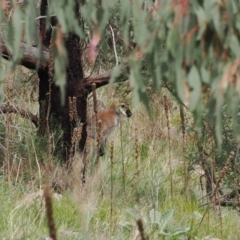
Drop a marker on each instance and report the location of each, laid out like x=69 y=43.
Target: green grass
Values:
x=110 y=204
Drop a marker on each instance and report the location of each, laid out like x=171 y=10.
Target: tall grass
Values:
x=132 y=194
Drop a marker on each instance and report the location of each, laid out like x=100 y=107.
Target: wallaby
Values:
x=107 y=120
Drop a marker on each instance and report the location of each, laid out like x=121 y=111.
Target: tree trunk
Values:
x=52 y=113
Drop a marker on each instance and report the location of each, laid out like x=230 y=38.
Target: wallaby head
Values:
x=125 y=110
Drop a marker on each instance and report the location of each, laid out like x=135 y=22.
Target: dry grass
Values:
x=132 y=179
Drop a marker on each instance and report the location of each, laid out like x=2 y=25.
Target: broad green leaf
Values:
x=234 y=44
x=235 y=6
x=60 y=77
x=173 y=41
x=155 y=216
x=195 y=85
x=62 y=20
x=202 y=22
x=180 y=84
x=18 y=26
x=164 y=233
x=132 y=213
x=115 y=73
x=165 y=218
x=208 y=6
x=201 y=15
x=205 y=74
x=126 y=13
x=127 y=225
x=197 y=215
x=176 y=231
x=216 y=21
x=218 y=126
x=31 y=22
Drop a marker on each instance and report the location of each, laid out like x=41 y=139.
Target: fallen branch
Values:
x=23 y=113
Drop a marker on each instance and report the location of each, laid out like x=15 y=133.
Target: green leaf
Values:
x=115 y=73
x=166 y=217
x=155 y=216
x=195 y=84
x=18 y=26
x=234 y=45
x=31 y=23
x=132 y=213
x=180 y=84
x=62 y=20
x=205 y=74
x=125 y=8
x=202 y=22
x=176 y=231
x=218 y=115
x=173 y=41
x=208 y=6
x=217 y=21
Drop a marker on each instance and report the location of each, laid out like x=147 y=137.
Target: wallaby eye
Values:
x=122 y=105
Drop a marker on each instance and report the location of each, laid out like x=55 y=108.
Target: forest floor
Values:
x=146 y=186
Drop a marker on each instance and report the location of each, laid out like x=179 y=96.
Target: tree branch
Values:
x=104 y=78
x=23 y=113
x=100 y=79
x=31 y=59
x=31 y=55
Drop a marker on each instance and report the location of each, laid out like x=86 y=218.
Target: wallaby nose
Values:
x=101 y=151
x=129 y=113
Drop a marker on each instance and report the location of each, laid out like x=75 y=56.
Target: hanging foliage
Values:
x=193 y=46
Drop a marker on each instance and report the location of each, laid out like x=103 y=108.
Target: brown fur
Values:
x=109 y=119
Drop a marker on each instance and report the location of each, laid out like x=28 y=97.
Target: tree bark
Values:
x=49 y=92
x=30 y=58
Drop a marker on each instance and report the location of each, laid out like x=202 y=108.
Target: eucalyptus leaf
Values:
x=195 y=84
x=115 y=73
x=31 y=22
x=196 y=36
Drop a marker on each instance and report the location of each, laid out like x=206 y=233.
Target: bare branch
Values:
x=114 y=45
x=103 y=78
x=99 y=80
x=31 y=55
x=30 y=60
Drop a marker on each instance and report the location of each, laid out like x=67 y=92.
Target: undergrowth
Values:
x=138 y=191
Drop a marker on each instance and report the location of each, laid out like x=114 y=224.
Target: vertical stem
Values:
x=181 y=111
x=123 y=165
x=97 y=123
x=137 y=163
x=111 y=159
x=166 y=108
